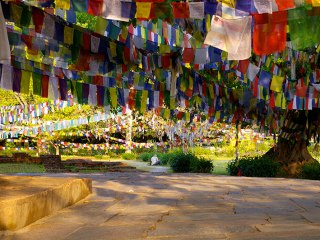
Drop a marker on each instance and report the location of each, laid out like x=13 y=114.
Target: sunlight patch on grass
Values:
x=7 y=168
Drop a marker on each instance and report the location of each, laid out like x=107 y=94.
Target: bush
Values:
x=181 y=162
x=165 y=158
x=201 y=165
x=310 y=171
x=146 y=157
x=253 y=167
x=187 y=162
x=129 y=156
x=113 y=154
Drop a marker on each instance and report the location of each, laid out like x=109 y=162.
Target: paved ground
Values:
x=185 y=206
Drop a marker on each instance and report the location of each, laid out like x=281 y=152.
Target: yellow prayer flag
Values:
x=63 y=4
x=124 y=32
x=25 y=82
x=144 y=98
x=113 y=97
x=316 y=3
x=101 y=25
x=217 y=115
x=172 y=102
x=166 y=113
x=187 y=116
x=113 y=49
x=211 y=92
x=276 y=83
x=164 y=48
x=190 y=82
x=229 y=3
x=143 y=10
x=68 y=35
x=178 y=38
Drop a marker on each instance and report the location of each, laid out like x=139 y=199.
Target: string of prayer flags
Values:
x=5 y=54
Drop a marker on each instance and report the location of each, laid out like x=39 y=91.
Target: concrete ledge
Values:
x=24 y=200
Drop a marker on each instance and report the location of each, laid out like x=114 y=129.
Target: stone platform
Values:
x=23 y=200
x=157 y=206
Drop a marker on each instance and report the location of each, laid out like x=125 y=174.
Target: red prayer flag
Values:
x=180 y=9
x=188 y=55
x=269 y=33
x=95 y=7
x=44 y=86
x=285 y=4
x=37 y=17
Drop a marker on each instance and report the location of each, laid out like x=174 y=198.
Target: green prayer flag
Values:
x=138 y=99
x=26 y=16
x=79 y=92
x=301 y=24
x=36 y=83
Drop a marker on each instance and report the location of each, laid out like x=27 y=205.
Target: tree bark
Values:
x=291 y=149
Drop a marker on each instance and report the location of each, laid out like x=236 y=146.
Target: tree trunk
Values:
x=293 y=155
x=291 y=149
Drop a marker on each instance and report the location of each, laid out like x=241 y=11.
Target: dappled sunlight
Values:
x=153 y=205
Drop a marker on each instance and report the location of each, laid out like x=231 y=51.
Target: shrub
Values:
x=165 y=158
x=253 y=167
x=146 y=156
x=187 y=162
x=310 y=171
x=201 y=165
x=129 y=156
x=181 y=162
x=113 y=155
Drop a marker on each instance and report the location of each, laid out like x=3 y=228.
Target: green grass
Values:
x=220 y=167
x=7 y=168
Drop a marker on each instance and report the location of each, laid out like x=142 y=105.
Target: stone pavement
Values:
x=184 y=206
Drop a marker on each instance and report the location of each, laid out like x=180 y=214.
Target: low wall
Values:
x=22 y=208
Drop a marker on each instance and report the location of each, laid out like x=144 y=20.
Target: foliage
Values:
x=165 y=158
x=86 y=20
x=9 y=98
x=129 y=156
x=253 y=167
x=201 y=165
x=180 y=161
x=68 y=113
x=145 y=156
x=188 y=162
x=10 y=152
x=10 y=145
x=202 y=151
x=315 y=153
x=310 y=171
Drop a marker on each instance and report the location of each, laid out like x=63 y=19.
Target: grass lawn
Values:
x=7 y=168
x=220 y=167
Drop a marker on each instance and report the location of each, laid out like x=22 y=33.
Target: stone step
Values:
x=28 y=199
